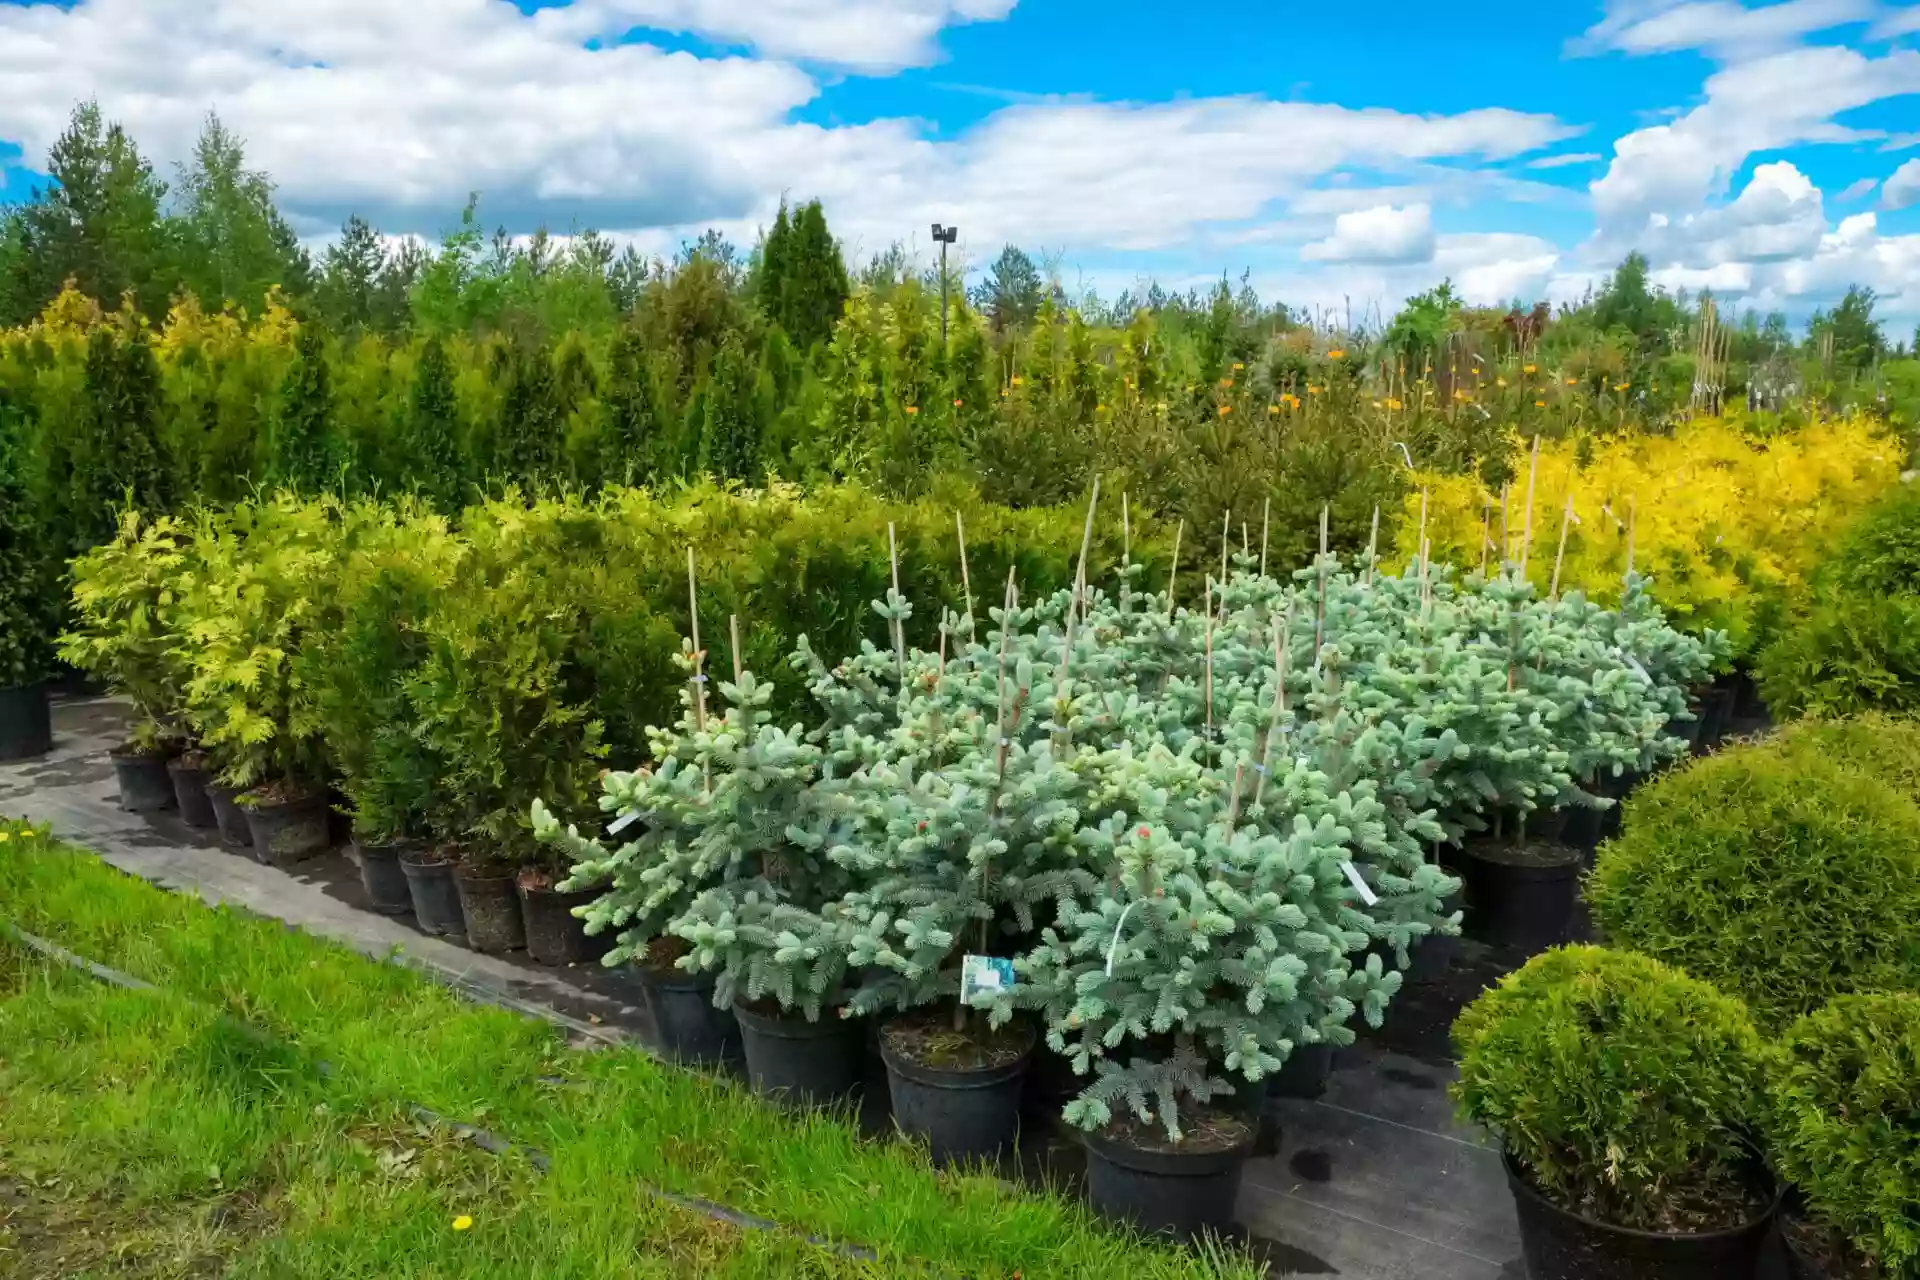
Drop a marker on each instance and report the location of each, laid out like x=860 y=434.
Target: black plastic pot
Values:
x=26 y=722
x=1562 y=1245
x=1747 y=702
x=1305 y=1072
x=229 y=816
x=1432 y=957
x=145 y=786
x=1716 y=708
x=286 y=831
x=1583 y=827
x=492 y=911
x=436 y=903
x=1177 y=1193
x=554 y=934
x=382 y=878
x=812 y=1064
x=687 y=1028
x=190 y=793
x=1519 y=902
x=966 y=1115
x=1617 y=788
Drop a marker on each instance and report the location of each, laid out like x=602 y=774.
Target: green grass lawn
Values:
x=192 y=1130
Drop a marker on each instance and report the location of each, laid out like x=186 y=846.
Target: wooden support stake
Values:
x=1209 y=678
x=1174 y=573
x=1086 y=540
x=1226 y=540
x=1633 y=516
x=1486 y=532
x=1526 y=533
x=1506 y=539
x=966 y=580
x=899 y=632
x=1266 y=516
x=1373 y=543
x=1560 y=556
x=733 y=633
x=1420 y=539
x=699 y=655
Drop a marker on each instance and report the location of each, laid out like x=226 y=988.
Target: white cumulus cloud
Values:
x=1382 y=234
x=1903 y=188
x=1725 y=28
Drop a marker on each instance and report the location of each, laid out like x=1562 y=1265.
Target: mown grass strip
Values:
x=394 y=1035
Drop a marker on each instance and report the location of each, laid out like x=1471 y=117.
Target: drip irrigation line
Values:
x=488 y=1141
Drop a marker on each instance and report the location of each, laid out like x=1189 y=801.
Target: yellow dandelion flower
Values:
x=1393 y=404
x=1225 y=409
x=4 y=837
x=1099 y=408
x=1017 y=379
x=1226 y=382
x=1530 y=369
x=1573 y=382
x=462 y=1223
x=1338 y=353
x=1313 y=391
x=1237 y=366
x=1273 y=408
x=1621 y=386
x=1499 y=382
x=1539 y=404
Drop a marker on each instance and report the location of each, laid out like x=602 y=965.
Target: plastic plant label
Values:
x=622 y=822
x=984 y=974
x=1360 y=885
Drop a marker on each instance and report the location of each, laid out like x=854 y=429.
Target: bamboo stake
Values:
x=1209 y=680
x=1126 y=554
x=1266 y=516
x=1174 y=573
x=1320 y=617
x=1373 y=541
x=1526 y=535
x=1420 y=538
x=1560 y=556
x=1086 y=540
x=1282 y=645
x=699 y=655
x=1486 y=532
x=733 y=633
x=1506 y=539
x=966 y=580
x=1226 y=540
x=899 y=633
x=1633 y=514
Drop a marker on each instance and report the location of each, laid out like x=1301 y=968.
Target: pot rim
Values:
x=789 y=1025
x=958 y=1078
x=1171 y=1164
x=1518 y=1181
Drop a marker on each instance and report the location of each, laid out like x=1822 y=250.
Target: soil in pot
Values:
x=26 y=722
x=1816 y=1253
x=381 y=876
x=959 y=1090
x=812 y=1064
x=1135 y=1175
x=288 y=822
x=436 y=902
x=1305 y=1072
x=145 y=785
x=190 y=774
x=229 y=816
x=687 y=1028
x=1520 y=895
x=491 y=909
x=1561 y=1244
x=554 y=934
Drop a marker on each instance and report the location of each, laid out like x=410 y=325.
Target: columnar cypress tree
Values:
x=117 y=458
x=431 y=443
x=629 y=428
x=814 y=292
x=730 y=432
x=527 y=440
x=770 y=274
x=303 y=455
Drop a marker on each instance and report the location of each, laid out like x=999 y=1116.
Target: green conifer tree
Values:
x=431 y=434
x=304 y=454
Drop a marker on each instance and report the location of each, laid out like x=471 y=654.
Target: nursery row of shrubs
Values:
x=1185 y=845
x=1758 y=1032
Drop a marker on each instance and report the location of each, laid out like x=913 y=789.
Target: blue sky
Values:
x=1769 y=151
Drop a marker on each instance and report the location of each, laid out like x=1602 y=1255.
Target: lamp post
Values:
x=944 y=236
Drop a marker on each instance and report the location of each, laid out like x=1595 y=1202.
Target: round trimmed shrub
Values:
x=1628 y=1091
x=1778 y=875
x=1882 y=746
x=1845 y=1123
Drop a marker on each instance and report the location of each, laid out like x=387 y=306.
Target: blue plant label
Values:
x=622 y=822
x=984 y=974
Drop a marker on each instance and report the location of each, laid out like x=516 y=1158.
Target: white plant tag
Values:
x=980 y=974
x=1360 y=885
x=622 y=822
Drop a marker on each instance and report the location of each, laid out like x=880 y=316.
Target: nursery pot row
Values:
x=492 y=912
x=26 y=722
